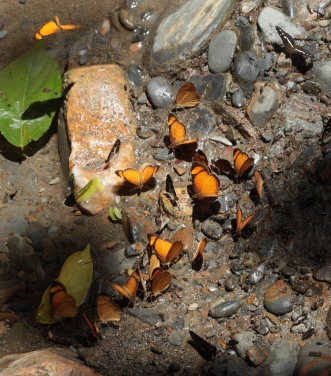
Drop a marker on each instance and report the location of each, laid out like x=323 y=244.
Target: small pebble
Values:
x=212 y=229
x=55 y=181
x=238 y=98
x=193 y=306
x=258 y=353
x=278 y=298
x=104 y=27
x=160 y=92
x=3 y=34
x=175 y=339
x=83 y=60
x=226 y=309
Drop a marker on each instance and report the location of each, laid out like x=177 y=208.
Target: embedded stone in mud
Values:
x=185 y=32
x=97 y=113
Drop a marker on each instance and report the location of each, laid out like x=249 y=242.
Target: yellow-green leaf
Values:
x=95 y=185
x=76 y=275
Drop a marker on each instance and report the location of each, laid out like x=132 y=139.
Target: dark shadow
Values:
x=203 y=347
x=128 y=189
x=40 y=109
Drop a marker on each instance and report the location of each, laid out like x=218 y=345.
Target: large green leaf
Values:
x=76 y=275
x=30 y=88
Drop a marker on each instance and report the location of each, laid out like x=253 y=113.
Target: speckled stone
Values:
x=221 y=50
x=278 y=298
x=98 y=112
x=185 y=32
x=271 y=17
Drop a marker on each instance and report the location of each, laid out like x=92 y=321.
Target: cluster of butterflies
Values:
x=205 y=184
x=161 y=253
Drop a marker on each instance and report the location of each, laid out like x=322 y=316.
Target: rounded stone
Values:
x=226 y=309
x=175 y=339
x=160 y=92
x=246 y=66
x=221 y=50
x=271 y=17
x=212 y=230
x=278 y=298
x=185 y=32
x=238 y=98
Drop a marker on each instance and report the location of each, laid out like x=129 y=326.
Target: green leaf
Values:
x=114 y=213
x=89 y=190
x=30 y=91
x=76 y=275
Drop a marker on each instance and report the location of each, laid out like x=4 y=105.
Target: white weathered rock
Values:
x=271 y=17
x=97 y=114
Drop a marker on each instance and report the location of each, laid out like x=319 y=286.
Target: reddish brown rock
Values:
x=278 y=298
x=258 y=353
x=97 y=114
x=186 y=236
x=9 y=288
x=52 y=362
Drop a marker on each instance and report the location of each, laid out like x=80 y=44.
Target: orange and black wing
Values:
x=146 y=174
x=240 y=223
x=53 y=27
x=162 y=248
x=187 y=95
x=242 y=162
x=130 y=289
x=48 y=29
x=199 y=162
x=161 y=281
x=63 y=304
x=205 y=185
x=131 y=175
x=177 y=133
x=201 y=247
x=107 y=309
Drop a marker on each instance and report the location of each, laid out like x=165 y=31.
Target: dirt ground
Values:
x=34 y=193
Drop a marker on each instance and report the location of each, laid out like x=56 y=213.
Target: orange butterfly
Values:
x=201 y=247
x=52 y=27
x=160 y=281
x=242 y=162
x=177 y=133
x=130 y=289
x=164 y=249
x=242 y=224
x=199 y=162
x=187 y=95
x=107 y=309
x=205 y=185
x=140 y=177
x=63 y=304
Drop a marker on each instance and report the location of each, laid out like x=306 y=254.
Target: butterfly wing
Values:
x=146 y=174
x=174 y=251
x=177 y=133
x=199 y=162
x=130 y=175
x=162 y=248
x=205 y=185
x=63 y=304
x=161 y=281
x=241 y=162
x=239 y=217
x=49 y=28
x=107 y=309
x=201 y=247
x=70 y=27
x=187 y=95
